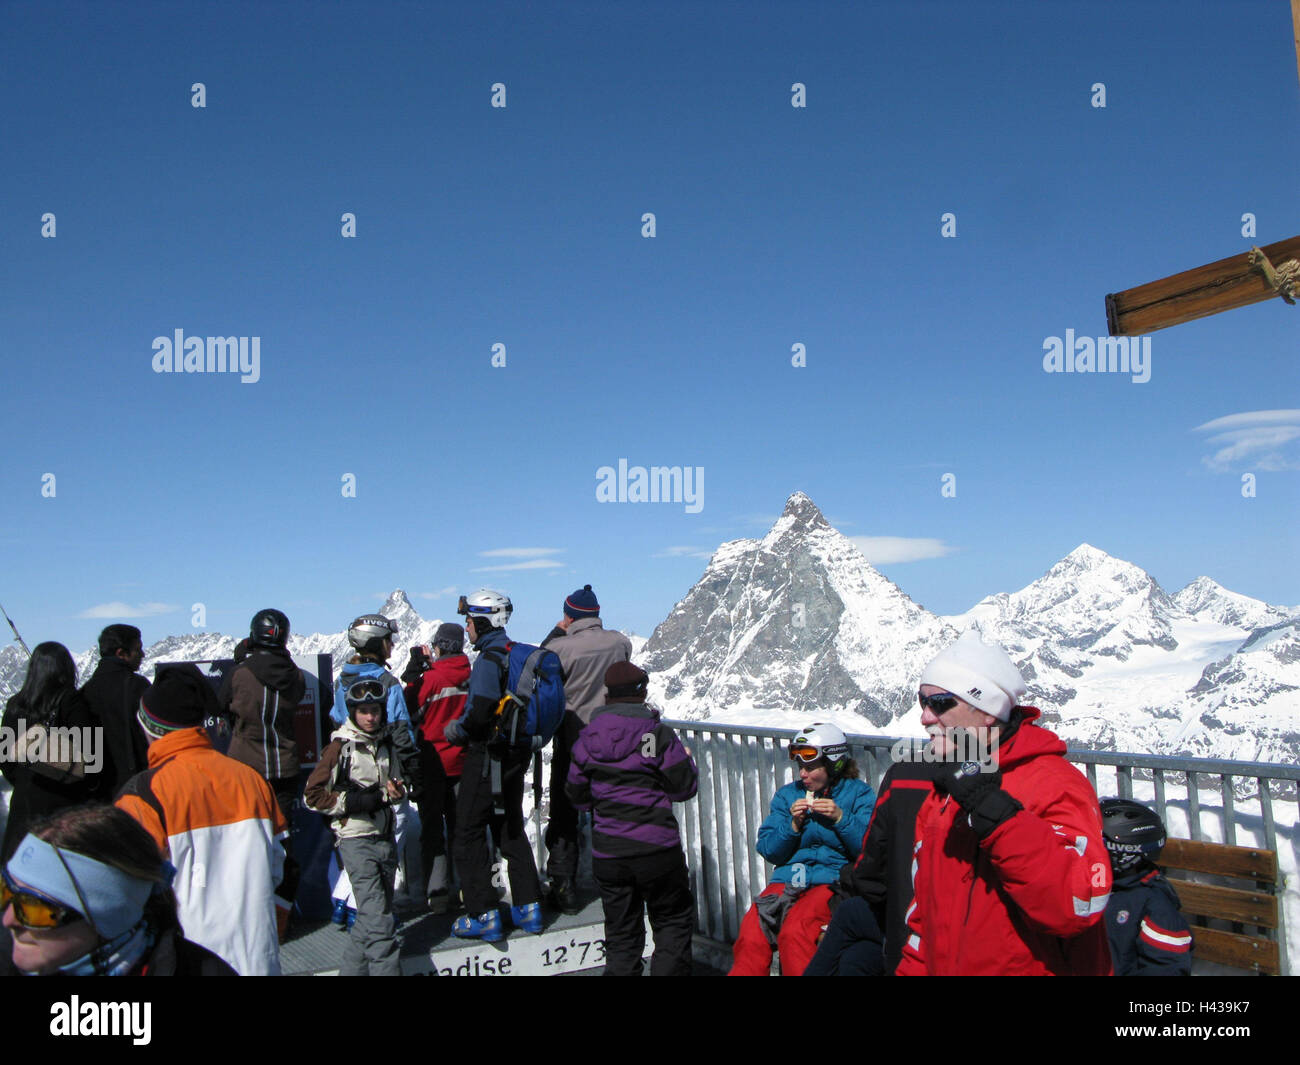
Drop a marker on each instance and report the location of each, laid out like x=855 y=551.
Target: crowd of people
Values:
x=165 y=856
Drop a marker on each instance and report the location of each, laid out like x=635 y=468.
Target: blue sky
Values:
x=522 y=225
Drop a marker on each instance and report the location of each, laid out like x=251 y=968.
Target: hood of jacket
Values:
x=618 y=729
x=1029 y=741
x=277 y=672
x=450 y=671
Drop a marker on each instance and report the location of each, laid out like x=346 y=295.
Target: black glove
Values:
x=979 y=793
x=363 y=801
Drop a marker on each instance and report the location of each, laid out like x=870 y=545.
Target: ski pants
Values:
x=562 y=836
x=372 y=949
x=473 y=818
x=797 y=939
x=437 y=820
x=287 y=790
x=853 y=944
x=629 y=887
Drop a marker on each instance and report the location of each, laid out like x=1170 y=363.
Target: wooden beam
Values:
x=1218 y=286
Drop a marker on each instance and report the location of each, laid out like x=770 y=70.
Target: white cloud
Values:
x=684 y=552
x=883 y=550
x=441 y=593
x=1256 y=438
x=535 y=563
x=126 y=610
x=520 y=552
x=1249 y=419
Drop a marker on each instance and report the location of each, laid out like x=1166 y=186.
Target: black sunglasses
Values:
x=939 y=703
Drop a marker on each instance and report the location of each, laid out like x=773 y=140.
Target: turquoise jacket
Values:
x=821 y=849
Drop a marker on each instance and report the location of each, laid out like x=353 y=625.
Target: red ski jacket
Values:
x=442 y=694
x=1029 y=899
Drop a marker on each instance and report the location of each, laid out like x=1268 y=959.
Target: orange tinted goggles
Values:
x=805 y=754
x=32 y=910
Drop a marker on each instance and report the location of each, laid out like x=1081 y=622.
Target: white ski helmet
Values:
x=486 y=605
x=368 y=633
x=819 y=742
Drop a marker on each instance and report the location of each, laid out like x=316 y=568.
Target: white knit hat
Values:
x=979 y=673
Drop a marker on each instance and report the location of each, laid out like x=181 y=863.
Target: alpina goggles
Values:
x=805 y=754
x=366 y=691
x=32 y=910
x=939 y=703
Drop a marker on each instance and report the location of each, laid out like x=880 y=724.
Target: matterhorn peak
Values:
x=397 y=605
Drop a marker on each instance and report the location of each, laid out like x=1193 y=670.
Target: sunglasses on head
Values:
x=31 y=910
x=939 y=703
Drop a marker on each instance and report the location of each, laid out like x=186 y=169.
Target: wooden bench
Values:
x=1251 y=902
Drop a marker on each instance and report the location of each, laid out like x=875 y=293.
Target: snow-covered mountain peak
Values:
x=1206 y=600
x=398 y=607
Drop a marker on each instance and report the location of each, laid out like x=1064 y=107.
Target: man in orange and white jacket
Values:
x=1010 y=868
x=215 y=819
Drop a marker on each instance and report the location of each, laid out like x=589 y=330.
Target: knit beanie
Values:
x=979 y=673
x=450 y=637
x=626 y=683
x=582 y=604
x=180 y=697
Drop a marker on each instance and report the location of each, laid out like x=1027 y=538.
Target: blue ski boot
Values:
x=352 y=916
x=340 y=911
x=528 y=918
x=486 y=926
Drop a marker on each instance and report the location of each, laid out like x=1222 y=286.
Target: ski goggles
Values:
x=366 y=691
x=32 y=910
x=939 y=703
x=805 y=754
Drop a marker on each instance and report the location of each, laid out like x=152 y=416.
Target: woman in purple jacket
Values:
x=629 y=768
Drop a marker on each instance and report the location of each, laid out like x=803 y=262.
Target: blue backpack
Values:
x=532 y=703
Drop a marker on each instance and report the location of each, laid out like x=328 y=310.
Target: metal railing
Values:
x=741 y=768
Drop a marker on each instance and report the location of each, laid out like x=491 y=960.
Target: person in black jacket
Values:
x=869 y=924
x=487 y=613
x=48 y=697
x=87 y=894
x=113 y=693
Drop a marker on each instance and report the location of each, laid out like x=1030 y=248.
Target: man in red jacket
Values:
x=441 y=699
x=1011 y=870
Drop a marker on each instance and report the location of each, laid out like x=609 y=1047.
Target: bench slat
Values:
x=1250 y=863
x=1210 y=900
x=1228 y=948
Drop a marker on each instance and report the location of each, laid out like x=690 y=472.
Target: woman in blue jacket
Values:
x=815 y=826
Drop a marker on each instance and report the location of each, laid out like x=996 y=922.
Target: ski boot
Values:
x=352 y=917
x=527 y=918
x=486 y=926
x=564 y=894
x=340 y=915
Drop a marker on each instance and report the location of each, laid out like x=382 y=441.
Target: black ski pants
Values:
x=562 y=836
x=473 y=818
x=629 y=888
x=437 y=820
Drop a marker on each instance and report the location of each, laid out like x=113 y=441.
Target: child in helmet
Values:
x=1148 y=936
x=371 y=635
x=356 y=783
x=816 y=824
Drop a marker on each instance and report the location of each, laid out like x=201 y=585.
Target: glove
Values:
x=456 y=734
x=364 y=801
x=979 y=793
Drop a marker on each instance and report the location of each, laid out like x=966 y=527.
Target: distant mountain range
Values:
x=799 y=623
x=798 y=626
